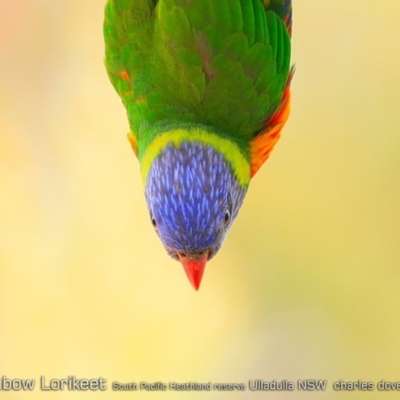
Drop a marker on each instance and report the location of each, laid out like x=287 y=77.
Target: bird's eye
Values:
x=227 y=217
x=154 y=222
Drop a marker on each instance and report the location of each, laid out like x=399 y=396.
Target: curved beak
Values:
x=194 y=265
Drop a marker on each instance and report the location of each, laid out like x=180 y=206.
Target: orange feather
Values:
x=262 y=144
x=133 y=143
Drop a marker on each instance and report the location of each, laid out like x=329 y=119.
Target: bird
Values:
x=206 y=88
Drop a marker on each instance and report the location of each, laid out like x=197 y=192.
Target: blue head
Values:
x=193 y=197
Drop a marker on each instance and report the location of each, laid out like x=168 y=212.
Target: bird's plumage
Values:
x=206 y=87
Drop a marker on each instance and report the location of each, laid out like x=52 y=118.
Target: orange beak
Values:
x=194 y=265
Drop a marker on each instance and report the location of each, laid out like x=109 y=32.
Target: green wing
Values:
x=219 y=63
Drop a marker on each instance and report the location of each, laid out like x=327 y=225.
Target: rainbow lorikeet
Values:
x=206 y=87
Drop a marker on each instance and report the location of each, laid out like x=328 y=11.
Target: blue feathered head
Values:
x=193 y=197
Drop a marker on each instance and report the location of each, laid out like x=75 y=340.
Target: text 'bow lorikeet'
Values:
x=206 y=87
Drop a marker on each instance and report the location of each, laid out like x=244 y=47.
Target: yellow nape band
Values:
x=227 y=148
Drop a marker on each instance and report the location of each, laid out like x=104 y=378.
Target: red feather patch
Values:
x=262 y=144
x=133 y=143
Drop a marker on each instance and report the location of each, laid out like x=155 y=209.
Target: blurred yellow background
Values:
x=307 y=282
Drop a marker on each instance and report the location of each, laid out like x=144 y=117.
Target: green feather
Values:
x=218 y=64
